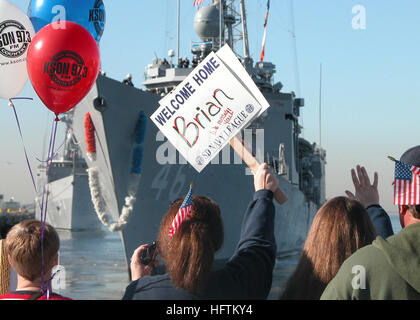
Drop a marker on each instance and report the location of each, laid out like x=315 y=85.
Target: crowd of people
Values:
x=182 y=63
x=347 y=234
x=185 y=63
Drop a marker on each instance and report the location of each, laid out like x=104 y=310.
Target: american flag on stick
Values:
x=197 y=2
x=184 y=212
x=406 y=184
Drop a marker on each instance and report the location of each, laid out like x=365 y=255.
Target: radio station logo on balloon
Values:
x=14 y=39
x=66 y=68
x=63 y=65
x=16 y=35
x=97 y=17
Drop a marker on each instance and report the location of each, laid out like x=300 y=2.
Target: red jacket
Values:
x=26 y=295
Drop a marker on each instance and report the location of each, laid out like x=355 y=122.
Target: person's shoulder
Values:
x=363 y=261
x=151 y=281
x=366 y=255
x=26 y=295
x=14 y=296
x=407 y=234
x=56 y=296
x=137 y=288
x=340 y=287
x=156 y=287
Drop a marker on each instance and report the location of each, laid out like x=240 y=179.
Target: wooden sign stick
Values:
x=242 y=149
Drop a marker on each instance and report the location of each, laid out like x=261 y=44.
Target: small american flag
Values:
x=197 y=2
x=184 y=212
x=406 y=184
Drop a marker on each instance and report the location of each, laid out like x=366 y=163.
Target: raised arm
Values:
x=248 y=273
x=367 y=194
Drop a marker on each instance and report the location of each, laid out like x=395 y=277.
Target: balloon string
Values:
x=54 y=155
x=44 y=207
x=23 y=143
x=21 y=98
x=48 y=283
x=45 y=285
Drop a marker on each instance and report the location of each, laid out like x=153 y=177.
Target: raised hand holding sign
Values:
x=241 y=148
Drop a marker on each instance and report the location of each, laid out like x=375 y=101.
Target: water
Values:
x=95 y=266
x=395 y=220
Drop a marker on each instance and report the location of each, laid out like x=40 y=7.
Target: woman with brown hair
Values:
x=340 y=227
x=188 y=253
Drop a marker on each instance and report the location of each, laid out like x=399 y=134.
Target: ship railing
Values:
x=202 y=48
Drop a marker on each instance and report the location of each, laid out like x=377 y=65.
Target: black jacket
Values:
x=247 y=274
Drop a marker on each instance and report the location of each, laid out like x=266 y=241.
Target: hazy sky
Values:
x=370 y=78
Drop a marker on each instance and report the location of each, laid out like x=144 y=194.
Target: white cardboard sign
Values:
x=232 y=62
x=204 y=112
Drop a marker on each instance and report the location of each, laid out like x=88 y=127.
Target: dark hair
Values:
x=189 y=253
x=415 y=211
x=340 y=227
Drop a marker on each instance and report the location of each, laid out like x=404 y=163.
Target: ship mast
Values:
x=244 y=31
x=178 y=31
x=234 y=27
x=221 y=38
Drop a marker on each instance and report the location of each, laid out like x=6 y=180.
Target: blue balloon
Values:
x=88 y=13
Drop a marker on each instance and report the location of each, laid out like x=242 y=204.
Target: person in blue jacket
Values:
x=189 y=253
x=367 y=194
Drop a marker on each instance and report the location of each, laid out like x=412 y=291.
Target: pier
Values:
x=12 y=213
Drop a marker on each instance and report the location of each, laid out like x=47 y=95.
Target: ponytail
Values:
x=189 y=254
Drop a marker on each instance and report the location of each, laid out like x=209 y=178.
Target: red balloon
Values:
x=63 y=65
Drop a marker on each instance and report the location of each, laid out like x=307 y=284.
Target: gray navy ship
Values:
x=133 y=203
x=69 y=205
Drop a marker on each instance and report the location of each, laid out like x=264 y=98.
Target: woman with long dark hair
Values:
x=340 y=227
x=188 y=251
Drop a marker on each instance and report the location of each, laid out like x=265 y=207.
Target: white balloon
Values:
x=16 y=33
